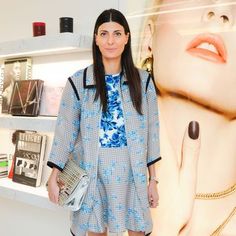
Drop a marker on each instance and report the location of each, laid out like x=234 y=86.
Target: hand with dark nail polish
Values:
x=179 y=190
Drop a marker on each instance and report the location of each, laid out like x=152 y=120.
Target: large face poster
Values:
x=191 y=47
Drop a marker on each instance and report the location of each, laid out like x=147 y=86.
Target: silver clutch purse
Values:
x=75 y=183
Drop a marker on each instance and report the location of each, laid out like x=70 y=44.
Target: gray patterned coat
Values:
x=77 y=132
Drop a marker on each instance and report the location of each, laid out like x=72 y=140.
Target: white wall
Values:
x=16 y=16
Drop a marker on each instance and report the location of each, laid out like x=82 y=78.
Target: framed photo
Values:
x=14 y=70
x=50 y=101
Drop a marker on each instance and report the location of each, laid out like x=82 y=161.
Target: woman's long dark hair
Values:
x=127 y=64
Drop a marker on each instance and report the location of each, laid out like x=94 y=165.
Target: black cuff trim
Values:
x=152 y=162
x=52 y=165
x=72 y=233
x=74 y=88
x=148 y=234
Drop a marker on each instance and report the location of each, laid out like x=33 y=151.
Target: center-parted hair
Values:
x=127 y=64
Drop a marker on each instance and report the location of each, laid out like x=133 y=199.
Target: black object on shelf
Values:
x=66 y=24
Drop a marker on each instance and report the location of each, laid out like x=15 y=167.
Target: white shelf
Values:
x=30 y=195
x=38 y=123
x=36 y=46
x=45 y=45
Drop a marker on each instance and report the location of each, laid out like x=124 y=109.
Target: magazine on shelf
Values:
x=50 y=101
x=26 y=97
x=29 y=158
x=3 y=165
x=1 y=85
x=13 y=70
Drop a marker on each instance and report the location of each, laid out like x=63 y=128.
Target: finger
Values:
x=149 y=194
x=51 y=198
x=150 y=203
x=189 y=163
x=56 y=199
x=150 y=199
x=153 y=204
x=190 y=147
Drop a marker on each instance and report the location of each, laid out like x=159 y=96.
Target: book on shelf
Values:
x=29 y=158
x=13 y=70
x=26 y=97
x=3 y=165
x=1 y=85
x=50 y=101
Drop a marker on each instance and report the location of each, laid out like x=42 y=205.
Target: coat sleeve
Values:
x=153 y=145
x=67 y=127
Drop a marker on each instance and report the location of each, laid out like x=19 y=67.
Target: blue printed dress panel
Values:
x=112 y=127
x=116 y=203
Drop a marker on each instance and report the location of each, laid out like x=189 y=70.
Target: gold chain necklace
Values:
x=217 y=195
x=225 y=222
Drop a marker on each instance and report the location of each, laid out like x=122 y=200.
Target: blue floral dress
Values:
x=112 y=127
x=116 y=204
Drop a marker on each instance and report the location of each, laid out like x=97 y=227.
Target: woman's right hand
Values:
x=53 y=187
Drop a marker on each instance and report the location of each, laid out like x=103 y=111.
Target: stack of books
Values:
x=3 y=165
x=29 y=158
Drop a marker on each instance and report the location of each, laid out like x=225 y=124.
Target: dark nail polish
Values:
x=193 y=130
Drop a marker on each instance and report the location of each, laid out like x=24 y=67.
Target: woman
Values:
x=14 y=75
x=108 y=119
x=193 y=51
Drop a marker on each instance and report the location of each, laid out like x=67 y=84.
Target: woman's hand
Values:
x=53 y=186
x=153 y=196
x=178 y=188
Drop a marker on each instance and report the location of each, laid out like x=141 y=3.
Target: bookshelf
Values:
x=38 y=123
x=45 y=45
x=42 y=46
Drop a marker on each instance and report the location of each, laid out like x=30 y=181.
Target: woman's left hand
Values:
x=153 y=196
